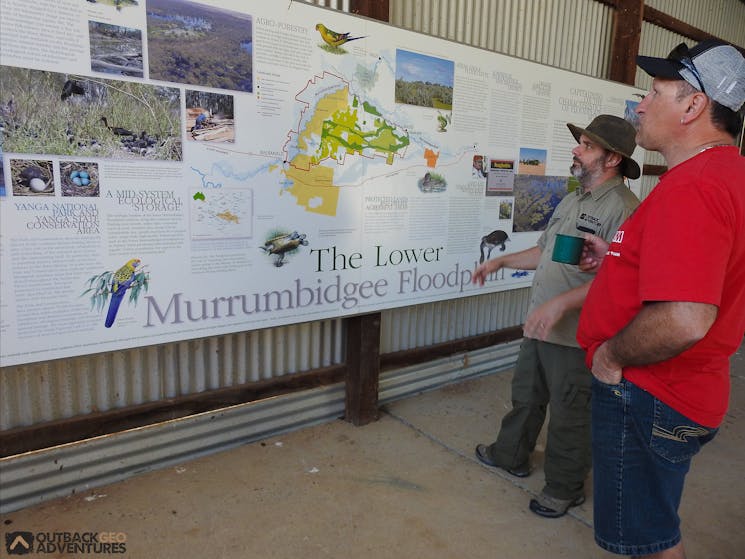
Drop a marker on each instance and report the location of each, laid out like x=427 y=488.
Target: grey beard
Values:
x=584 y=176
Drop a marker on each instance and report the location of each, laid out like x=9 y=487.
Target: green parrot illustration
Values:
x=332 y=38
x=121 y=281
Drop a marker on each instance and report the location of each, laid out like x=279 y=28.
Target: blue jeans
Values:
x=641 y=453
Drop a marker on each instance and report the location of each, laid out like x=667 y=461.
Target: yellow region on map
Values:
x=228 y=216
x=314 y=189
x=337 y=129
x=313 y=185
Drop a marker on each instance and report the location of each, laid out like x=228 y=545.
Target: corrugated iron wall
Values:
x=342 y=5
x=570 y=34
x=63 y=388
x=424 y=325
x=723 y=18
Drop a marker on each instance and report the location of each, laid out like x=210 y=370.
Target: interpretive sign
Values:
x=175 y=169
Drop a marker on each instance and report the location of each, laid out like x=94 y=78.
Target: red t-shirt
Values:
x=685 y=242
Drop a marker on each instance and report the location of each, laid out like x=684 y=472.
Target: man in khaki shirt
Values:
x=550 y=368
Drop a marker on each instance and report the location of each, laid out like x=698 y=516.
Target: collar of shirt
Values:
x=601 y=190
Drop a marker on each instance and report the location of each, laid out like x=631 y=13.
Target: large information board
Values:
x=176 y=169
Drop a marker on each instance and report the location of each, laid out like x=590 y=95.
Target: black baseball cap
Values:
x=712 y=66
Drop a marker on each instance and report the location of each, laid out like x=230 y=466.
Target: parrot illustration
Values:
x=332 y=38
x=121 y=281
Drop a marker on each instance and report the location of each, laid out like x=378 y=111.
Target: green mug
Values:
x=567 y=249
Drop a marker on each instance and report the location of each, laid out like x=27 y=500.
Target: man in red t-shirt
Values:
x=667 y=308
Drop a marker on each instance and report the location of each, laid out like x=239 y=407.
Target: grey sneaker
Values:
x=551 y=507
x=482 y=453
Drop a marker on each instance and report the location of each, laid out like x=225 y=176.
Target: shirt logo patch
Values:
x=588 y=223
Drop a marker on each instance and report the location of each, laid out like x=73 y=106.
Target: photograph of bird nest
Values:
x=199 y=45
x=69 y=114
x=31 y=177
x=209 y=117
x=115 y=49
x=79 y=179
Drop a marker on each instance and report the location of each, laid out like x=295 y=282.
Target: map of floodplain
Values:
x=333 y=128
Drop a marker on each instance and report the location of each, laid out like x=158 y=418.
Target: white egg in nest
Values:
x=37 y=185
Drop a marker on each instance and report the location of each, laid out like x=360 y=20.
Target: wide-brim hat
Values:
x=712 y=66
x=614 y=134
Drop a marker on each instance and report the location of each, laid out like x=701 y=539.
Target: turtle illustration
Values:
x=280 y=245
x=493 y=239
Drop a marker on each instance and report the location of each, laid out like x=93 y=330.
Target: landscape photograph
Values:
x=200 y=45
x=425 y=81
x=536 y=199
x=532 y=161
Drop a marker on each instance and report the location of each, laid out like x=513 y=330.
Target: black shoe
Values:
x=551 y=507
x=482 y=453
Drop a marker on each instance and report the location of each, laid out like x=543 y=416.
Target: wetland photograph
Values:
x=200 y=45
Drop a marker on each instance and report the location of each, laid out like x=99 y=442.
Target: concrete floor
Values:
x=407 y=486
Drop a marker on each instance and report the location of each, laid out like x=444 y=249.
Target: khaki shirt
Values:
x=601 y=211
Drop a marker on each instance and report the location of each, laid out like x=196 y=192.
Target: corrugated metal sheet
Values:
x=409 y=381
x=654 y=41
x=41 y=392
x=342 y=5
x=570 y=34
x=722 y=18
x=434 y=323
x=39 y=476
x=648 y=183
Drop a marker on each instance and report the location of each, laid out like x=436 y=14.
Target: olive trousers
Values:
x=555 y=378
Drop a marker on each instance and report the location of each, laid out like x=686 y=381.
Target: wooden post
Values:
x=363 y=332
x=363 y=368
x=375 y=9
x=627 y=28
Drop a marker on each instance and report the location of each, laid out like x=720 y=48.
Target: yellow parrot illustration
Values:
x=332 y=38
x=121 y=281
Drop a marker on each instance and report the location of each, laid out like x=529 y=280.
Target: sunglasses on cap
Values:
x=681 y=55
